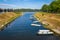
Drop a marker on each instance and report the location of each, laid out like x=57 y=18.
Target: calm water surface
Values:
x=21 y=29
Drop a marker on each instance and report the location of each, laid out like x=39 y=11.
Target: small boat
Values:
x=43 y=32
x=35 y=21
x=35 y=25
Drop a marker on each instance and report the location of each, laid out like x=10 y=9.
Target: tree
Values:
x=45 y=8
x=53 y=7
x=1 y=10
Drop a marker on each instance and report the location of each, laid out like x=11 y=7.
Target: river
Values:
x=21 y=29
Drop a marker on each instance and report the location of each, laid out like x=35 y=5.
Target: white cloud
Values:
x=11 y=5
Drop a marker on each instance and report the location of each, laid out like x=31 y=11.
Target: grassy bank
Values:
x=7 y=17
x=49 y=20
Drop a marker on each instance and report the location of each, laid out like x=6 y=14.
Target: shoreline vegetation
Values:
x=50 y=21
x=7 y=17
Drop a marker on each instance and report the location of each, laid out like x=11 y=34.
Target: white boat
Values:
x=35 y=25
x=35 y=21
x=44 y=32
x=50 y=32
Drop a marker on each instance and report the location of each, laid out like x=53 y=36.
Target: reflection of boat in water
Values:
x=44 y=32
x=35 y=25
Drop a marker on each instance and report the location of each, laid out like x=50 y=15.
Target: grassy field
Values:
x=49 y=20
x=7 y=17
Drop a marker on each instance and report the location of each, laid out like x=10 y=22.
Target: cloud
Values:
x=11 y=5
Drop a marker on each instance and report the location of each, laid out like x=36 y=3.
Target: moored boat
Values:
x=44 y=32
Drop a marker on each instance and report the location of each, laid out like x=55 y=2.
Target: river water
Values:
x=21 y=29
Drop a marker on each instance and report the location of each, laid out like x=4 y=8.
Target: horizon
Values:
x=23 y=4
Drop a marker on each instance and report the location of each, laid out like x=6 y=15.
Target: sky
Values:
x=32 y=4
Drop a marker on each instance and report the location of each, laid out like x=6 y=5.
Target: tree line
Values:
x=27 y=10
x=19 y=10
x=53 y=7
x=6 y=10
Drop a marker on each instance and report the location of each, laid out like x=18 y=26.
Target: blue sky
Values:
x=33 y=4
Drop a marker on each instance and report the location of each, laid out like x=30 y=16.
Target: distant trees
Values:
x=26 y=10
x=53 y=7
x=19 y=10
x=1 y=10
x=8 y=10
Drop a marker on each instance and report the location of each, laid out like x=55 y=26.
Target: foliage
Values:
x=53 y=7
x=26 y=10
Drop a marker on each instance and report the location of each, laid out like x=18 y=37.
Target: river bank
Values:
x=7 y=17
x=49 y=21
